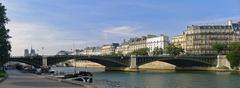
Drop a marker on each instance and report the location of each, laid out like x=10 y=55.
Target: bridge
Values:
x=132 y=62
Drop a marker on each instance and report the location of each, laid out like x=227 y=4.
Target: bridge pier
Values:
x=44 y=67
x=133 y=63
x=44 y=61
x=132 y=66
x=222 y=62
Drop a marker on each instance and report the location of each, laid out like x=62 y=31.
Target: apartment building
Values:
x=109 y=49
x=198 y=39
x=161 y=41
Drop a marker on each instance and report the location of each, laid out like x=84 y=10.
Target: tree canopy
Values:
x=234 y=55
x=142 y=51
x=235 y=46
x=5 y=46
x=234 y=58
x=157 y=51
x=219 y=47
x=174 y=50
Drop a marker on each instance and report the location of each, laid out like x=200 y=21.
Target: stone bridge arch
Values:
x=108 y=61
x=131 y=62
x=179 y=61
x=34 y=61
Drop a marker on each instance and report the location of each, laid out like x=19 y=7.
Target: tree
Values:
x=113 y=54
x=119 y=53
x=5 y=46
x=234 y=58
x=235 y=46
x=157 y=51
x=219 y=47
x=142 y=51
x=234 y=55
x=174 y=50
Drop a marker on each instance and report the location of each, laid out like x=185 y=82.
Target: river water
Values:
x=164 y=79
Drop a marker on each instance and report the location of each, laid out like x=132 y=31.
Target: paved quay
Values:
x=17 y=79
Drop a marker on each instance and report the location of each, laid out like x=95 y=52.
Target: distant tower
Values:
x=229 y=22
x=32 y=53
x=26 y=52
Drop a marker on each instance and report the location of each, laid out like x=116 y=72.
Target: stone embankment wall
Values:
x=223 y=62
x=87 y=64
x=158 y=65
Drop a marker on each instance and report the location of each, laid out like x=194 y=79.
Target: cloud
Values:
x=25 y=34
x=118 y=33
x=121 y=30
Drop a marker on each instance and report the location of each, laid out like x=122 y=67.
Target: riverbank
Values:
x=152 y=66
x=17 y=79
x=85 y=64
x=97 y=83
x=127 y=69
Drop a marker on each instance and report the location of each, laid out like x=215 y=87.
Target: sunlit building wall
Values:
x=198 y=39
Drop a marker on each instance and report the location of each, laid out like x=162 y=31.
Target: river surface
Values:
x=164 y=79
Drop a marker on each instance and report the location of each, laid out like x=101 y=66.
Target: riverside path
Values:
x=17 y=79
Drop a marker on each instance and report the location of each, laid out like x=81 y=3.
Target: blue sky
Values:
x=56 y=24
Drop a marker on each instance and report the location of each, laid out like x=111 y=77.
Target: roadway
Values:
x=18 y=79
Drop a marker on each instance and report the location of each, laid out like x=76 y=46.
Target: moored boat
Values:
x=82 y=76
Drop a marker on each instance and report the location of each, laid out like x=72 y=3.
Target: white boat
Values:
x=81 y=76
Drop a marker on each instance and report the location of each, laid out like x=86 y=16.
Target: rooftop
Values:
x=229 y=25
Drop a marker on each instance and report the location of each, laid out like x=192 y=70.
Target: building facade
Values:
x=137 y=43
x=26 y=53
x=134 y=44
x=30 y=52
x=92 y=51
x=109 y=49
x=198 y=39
x=123 y=49
x=161 y=41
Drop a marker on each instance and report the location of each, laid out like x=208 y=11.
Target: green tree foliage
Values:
x=234 y=55
x=234 y=46
x=219 y=47
x=2 y=73
x=5 y=46
x=174 y=50
x=119 y=53
x=112 y=54
x=234 y=58
x=142 y=51
x=157 y=51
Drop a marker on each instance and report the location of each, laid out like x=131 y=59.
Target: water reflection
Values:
x=167 y=79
